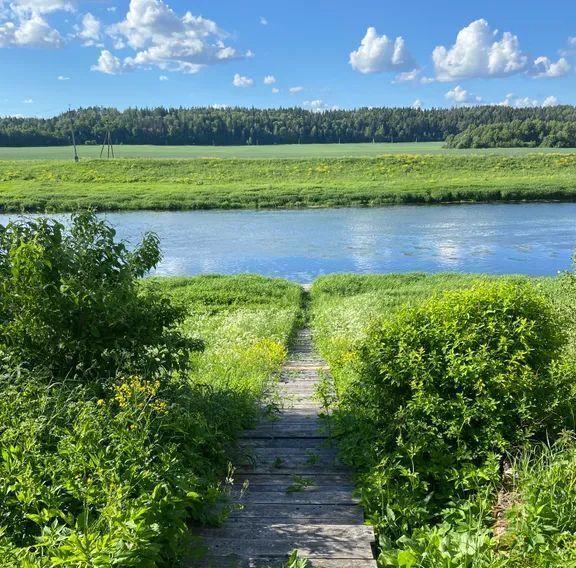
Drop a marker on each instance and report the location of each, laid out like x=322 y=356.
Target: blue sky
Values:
x=317 y=54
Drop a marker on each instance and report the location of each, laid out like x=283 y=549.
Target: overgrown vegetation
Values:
x=112 y=438
x=230 y=184
x=439 y=404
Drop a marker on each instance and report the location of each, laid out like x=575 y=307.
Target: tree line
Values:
x=240 y=126
x=532 y=133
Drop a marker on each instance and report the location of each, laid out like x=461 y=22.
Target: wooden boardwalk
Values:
x=295 y=494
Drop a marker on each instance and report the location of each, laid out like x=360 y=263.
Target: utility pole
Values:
x=107 y=143
x=76 y=158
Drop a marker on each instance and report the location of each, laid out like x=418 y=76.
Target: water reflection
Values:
x=520 y=238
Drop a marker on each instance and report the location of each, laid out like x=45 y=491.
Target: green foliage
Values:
x=115 y=428
x=70 y=301
x=296 y=561
x=430 y=403
x=461 y=376
x=516 y=134
x=542 y=516
x=252 y=126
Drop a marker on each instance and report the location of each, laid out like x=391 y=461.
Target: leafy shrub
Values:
x=70 y=300
x=442 y=390
x=461 y=376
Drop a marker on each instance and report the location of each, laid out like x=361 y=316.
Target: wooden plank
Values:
x=235 y=561
x=294 y=430
x=302 y=514
x=287 y=452
x=290 y=483
x=308 y=547
x=305 y=496
x=319 y=479
x=283 y=531
x=320 y=442
x=290 y=458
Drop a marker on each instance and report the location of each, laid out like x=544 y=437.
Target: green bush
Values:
x=463 y=375
x=70 y=301
x=442 y=391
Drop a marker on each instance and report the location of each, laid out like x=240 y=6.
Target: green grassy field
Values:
x=259 y=152
x=275 y=183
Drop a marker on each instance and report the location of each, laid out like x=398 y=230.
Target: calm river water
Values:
x=535 y=239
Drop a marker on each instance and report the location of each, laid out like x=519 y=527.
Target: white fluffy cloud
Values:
x=165 y=40
x=478 y=52
x=263 y=21
x=275 y=90
x=318 y=106
x=415 y=76
x=90 y=32
x=379 y=54
x=417 y=104
x=543 y=67
x=523 y=102
x=63 y=78
x=461 y=96
x=22 y=23
x=407 y=76
x=241 y=81
x=29 y=32
x=294 y=90
x=108 y=63
x=42 y=6
x=269 y=80
x=550 y=101
x=163 y=78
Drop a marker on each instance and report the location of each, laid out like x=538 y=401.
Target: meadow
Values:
x=131 y=184
x=277 y=151
x=508 y=505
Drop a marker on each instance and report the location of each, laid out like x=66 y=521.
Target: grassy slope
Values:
x=269 y=183
x=248 y=152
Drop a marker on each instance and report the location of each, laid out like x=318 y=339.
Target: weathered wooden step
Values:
x=342 y=533
x=308 y=547
x=301 y=514
x=290 y=490
x=304 y=496
x=319 y=442
x=285 y=479
x=235 y=561
x=291 y=458
x=305 y=364
x=295 y=468
x=290 y=484
x=289 y=429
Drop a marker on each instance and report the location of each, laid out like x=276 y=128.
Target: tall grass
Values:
x=279 y=183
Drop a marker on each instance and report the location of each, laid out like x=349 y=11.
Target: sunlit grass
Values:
x=275 y=183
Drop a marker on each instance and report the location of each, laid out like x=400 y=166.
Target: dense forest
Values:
x=517 y=134
x=239 y=126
